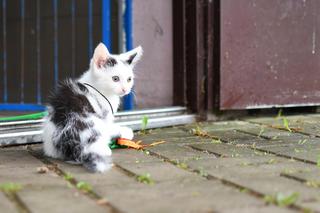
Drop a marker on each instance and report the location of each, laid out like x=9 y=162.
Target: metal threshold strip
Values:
x=29 y=131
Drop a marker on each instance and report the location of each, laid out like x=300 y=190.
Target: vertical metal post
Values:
x=4 y=55
x=128 y=99
x=106 y=23
x=22 y=16
x=73 y=38
x=179 y=52
x=38 y=28
x=55 y=41
x=90 y=39
x=117 y=27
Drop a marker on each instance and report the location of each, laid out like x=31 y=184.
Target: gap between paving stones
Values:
x=164 y=183
x=282 y=174
x=128 y=172
x=301 y=180
x=121 y=169
x=309 y=183
x=211 y=177
x=262 y=150
x=14 y=198
x=255 y=148
x=293 y=130
x=261 y=195
x=275 y=153
x=73 y=181
x=6 y=204
x=23 y=170
x=223 y=181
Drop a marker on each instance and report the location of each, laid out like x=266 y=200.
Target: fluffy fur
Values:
x=80 y=124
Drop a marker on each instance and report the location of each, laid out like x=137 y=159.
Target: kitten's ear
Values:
x=100 y=55
x=133 y=56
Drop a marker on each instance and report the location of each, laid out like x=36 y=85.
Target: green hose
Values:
x=33 y=116
x=40 y=115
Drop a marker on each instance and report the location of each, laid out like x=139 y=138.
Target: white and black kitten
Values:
x=80 y=124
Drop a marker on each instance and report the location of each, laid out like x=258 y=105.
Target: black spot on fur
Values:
x=70 y=146
x=69 y=142
x=93 y=137
x=91 y=159
x=65 y=101
x=111 y=62
x=80 y=125
x=129 y=61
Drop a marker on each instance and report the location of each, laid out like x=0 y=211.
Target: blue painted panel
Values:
x=22 y=107
x=106 y=23
x=128 y=103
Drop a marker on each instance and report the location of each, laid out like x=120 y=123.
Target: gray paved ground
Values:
x=255 y=165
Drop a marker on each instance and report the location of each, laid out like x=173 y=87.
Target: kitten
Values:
x=79 y=126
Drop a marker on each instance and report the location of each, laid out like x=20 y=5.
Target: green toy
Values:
x=116 y=143
x=40 y=115
x=33 y=116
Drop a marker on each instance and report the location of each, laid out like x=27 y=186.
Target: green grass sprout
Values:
x=145 y=178
x=83 y=186
x=68 y=176
x=286 y=124
x=281 y=199
x=10 y=187
x=144 y=124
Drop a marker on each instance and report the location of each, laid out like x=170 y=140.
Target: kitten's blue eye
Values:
x=129 y=79
x=115 y=78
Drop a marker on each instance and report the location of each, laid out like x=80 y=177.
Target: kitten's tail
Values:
x=96 y=163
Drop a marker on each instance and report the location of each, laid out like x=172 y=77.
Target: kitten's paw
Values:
x=126 y=132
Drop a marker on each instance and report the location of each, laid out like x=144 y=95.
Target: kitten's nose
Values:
x=124 y=90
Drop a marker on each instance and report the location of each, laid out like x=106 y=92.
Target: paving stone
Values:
x=311 y=129
x=188 y=197
x=41 y=192
x=6 y=205
x=272 y=133
x=162 y=134
x=310 y=174
x=293 y=119
x=259 y=176
x=235 y=137
x=189 y=140
x=186 y=193
x=303 y=124
x=132 y=156
x=178 y=188
x=180 y=153
x=160 y=172
x=244 y=139
x=220 y=125
x=175 y=190
x=308 y=151
x=227 y=150
x=177 y=140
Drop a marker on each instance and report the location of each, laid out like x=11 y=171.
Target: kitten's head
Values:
x=114 y=73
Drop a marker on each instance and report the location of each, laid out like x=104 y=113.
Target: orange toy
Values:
x=135 y=145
